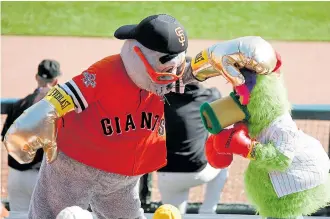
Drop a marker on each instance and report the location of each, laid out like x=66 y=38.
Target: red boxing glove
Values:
x=278 y=63
x=235 y=141
x=241 y=126
x=215 y=159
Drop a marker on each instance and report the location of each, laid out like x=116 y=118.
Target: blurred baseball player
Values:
x=186 y=137
x=22 y=178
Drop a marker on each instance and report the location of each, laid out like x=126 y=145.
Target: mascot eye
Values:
x=169 y=70
x=165 y=78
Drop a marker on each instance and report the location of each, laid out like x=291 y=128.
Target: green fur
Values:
x=261 y=194
x=269 y=158
x=268 y=101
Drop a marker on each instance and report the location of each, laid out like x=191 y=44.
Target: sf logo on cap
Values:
x=179 y=32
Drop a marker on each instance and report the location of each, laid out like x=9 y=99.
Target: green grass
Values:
x=207 y=20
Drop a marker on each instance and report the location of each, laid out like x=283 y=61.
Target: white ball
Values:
x=74 y=212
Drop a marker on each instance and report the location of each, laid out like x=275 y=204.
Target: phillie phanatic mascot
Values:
x=288 y=173
x=105 y=128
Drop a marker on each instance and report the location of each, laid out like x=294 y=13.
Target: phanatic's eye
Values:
x=236 y=65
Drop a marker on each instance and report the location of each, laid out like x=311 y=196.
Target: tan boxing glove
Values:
x=36 y=127
x=223 y=113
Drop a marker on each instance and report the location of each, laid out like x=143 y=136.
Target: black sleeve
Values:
x=5 y=108
x=8 y=121
x=16 y=109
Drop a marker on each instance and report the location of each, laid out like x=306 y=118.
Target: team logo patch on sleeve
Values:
x=89 y=79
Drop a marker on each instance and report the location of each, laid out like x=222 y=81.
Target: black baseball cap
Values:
x=49 y=69
x=161 y=33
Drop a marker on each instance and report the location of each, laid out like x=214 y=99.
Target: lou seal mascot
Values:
x=288 y=173
x=105 y=128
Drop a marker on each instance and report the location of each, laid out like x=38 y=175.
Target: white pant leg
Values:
x=213 y=192
x=174 y=196
x=174 y=187
x=20 y=188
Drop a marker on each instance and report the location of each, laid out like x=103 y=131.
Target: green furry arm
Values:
x=269 y=158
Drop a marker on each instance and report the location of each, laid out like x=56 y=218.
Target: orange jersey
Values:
x=117 y=127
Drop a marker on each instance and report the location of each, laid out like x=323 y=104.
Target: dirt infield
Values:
x=304 y=67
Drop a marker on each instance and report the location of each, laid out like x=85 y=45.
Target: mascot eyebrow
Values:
x=167 y=58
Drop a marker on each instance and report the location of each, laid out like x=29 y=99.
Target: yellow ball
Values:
x=167 y=211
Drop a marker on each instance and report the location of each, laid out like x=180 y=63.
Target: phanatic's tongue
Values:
x=243 y=93
x=245 y=89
